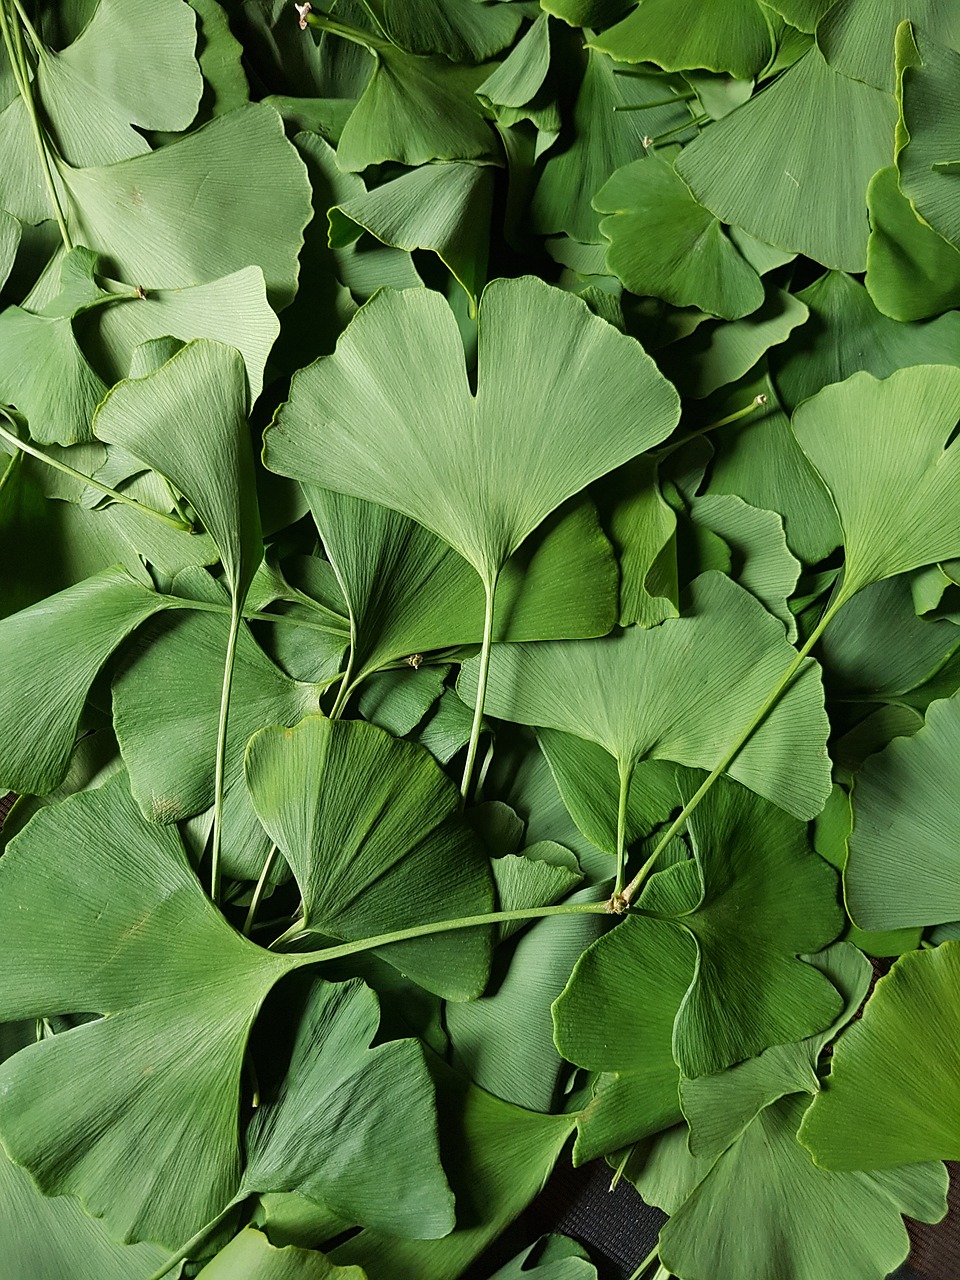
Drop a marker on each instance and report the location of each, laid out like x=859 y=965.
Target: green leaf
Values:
x=912 y=272
x=715 y=35
x=251 y=1256
x=760 y=461
x=408 y=592
x=461 y=30
x=441 y=207
x=471 y=468
x=43 y=372
x=881 y=448
x=719 y=1108
x=551 y=1258
x=792 y=165
x=498 y=1157
x=383 y=1098
x=753 y=899
x=198 y=395
x=121 y=1110
x=928 y=134
x=398 y=700
x=874 y=1114
x=634 y=694
x=372 y=831
x=663 y=243
x=802 y=14
x=220 y=57
x=51 y=1238
x=903 y=868
x=600 y=139
x=160 y=219
x=416 y=109
x=504 y=1040
x=53 y=651
x=804 y=1221
x=719 y=354
x=846 y=334
x=642 y=527
x=857 y=37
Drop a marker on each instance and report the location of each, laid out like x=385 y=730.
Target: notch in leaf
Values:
x=390 y=417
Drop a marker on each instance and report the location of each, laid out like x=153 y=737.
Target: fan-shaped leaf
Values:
x=715 y=35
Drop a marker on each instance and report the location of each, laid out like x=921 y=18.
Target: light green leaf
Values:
x=251 y=1256
x=760 y=461
x=551 y=1258
x=371 y=828
x=504 y=1040
x=761 y=561
x=663 y=243
x=53 y=651
x=471 y=468
x=880 y=447
x=719 y=354
x=121 y=1110
x=805 y=1222
x=408 y=592
x=633 y=694
x=677 y=35
x=199 y=395
x=442 y=207
x=857 y=37
x=642 y=528
x=233 y=311
x=398 y=700
x=220 y=56
x=792 y=165
x=498 y=1157
x=876 y=1110
x=383 y=1098
x=802 y=14
x=912 y=272
x=903 y=867
x=846 y=334
x=602 y=138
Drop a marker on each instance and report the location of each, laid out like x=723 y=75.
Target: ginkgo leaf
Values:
x=471 y=468
x=634 y=694
x=846 y=334
x=551 y=1258
x=792 y=165
x=198 y=395
x=461 y=30
x=857 y=37
x=663 y=243
x=912 y=272
x=716 y=36
x=903 y=867
x=125 y=1110
x=409 y=592
x=873 y=1112
x=881 y=449
x=442 y=207
x=52 y=653
x=251 y=1256
x=371 y=828
x=336 y=1085
x=602 y=138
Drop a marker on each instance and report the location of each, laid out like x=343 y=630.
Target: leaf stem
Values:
x=693 y=123
x=652 y=1257
x=769 y=703
x=235 y=617
x=259 y=890
x=625 y=770
x=28 y=27
x=251 y=615
x=490 y=591
x=342 y=950
x=648 y=106
x=14 y=47
x=181 y=525
x=324 y=22
x=185 y=1250
x=754 y=404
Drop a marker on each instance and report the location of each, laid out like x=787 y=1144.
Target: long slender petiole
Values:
x=185 y=1251
x=490 y=591
x=625 y=771
x=756 y=403
x=259 y=890
x=183 y=525
x=220 y=760
x=652 y=1257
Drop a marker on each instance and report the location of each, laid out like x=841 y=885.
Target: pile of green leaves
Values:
x=530 y=754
